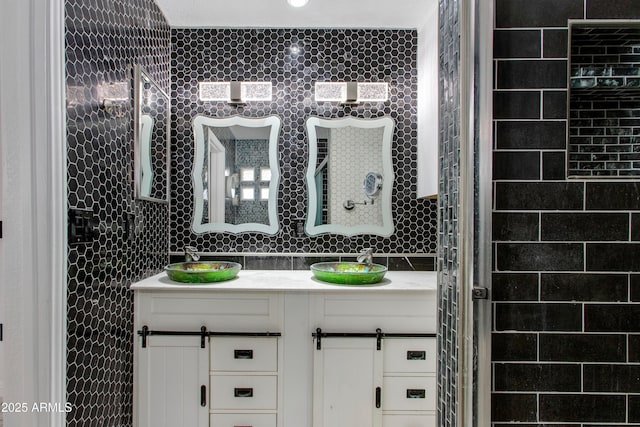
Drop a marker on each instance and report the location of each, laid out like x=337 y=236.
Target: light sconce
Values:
x=235 y=92
x=113 y=97
x=351 y=92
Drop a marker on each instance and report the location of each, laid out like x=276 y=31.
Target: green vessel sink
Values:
x=202 y=272
x=348 y=273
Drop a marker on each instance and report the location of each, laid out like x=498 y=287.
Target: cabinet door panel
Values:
x=393 y=312
x=172 y=373
x=219 y=311
x=346 y=375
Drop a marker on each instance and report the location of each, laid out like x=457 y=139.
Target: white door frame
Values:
x=33 y=199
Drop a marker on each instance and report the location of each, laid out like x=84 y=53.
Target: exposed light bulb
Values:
x=297 y=3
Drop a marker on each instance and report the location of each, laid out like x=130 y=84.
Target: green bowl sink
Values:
x=202 y=272
x=348 y=273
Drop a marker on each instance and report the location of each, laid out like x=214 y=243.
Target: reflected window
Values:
x=264 y=193
x=265 y=174
x=248 y=193
x=247 y=175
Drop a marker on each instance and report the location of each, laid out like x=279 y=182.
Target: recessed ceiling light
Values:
x=298 y=3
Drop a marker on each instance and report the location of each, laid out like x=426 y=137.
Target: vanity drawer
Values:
x=409 y=394
x=244 y=392
x=408 y=420
x=410 y=355
x=242 y=354
x=243 y=420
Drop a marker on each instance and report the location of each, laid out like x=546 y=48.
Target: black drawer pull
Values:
x=203 y=395
x=243 y=392
x=416 y=355
x=416 y=393
x=243 y=354
x=378 y=397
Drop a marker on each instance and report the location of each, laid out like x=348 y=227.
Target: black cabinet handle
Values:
x=378 y=397
x=416 y=393
x=243 y=354
x=203 y=395
x=416 y=355
x=243 y=392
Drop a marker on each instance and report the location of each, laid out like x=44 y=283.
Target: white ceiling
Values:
x=278 y=13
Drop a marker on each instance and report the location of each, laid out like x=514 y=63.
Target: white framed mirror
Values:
x=151 y=139
x=236 y=174
x=350 y=176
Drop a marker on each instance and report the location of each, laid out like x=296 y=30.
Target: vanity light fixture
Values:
x=297 y=3
x=351 y=92
x=235 y=92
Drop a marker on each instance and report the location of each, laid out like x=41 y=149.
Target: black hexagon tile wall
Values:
x=293 y=60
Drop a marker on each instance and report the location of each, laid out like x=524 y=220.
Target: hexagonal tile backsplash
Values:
x=293 y=60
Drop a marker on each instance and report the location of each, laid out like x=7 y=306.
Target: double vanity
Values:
x=284 y=348
x=281 y=348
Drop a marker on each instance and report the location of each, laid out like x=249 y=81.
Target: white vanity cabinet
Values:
x=285 y=380
x=355 y=383
x=225 y=374
x=231 y=382
x=376 y=360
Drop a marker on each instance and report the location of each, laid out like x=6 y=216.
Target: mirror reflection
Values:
x=235 y=174
x=151 y=139
x=350 y=176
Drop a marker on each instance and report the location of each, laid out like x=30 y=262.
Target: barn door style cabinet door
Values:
x=173 y=383
x=347 y=380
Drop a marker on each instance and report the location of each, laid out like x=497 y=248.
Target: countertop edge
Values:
x=293 y=281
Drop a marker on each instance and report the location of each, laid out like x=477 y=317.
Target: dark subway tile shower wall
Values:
x=293 y=60
x=566 y=281
x=103 y=41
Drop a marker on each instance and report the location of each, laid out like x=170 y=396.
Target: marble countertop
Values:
x=288 y=280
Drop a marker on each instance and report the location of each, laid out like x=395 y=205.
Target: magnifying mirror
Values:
x=372 y=184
